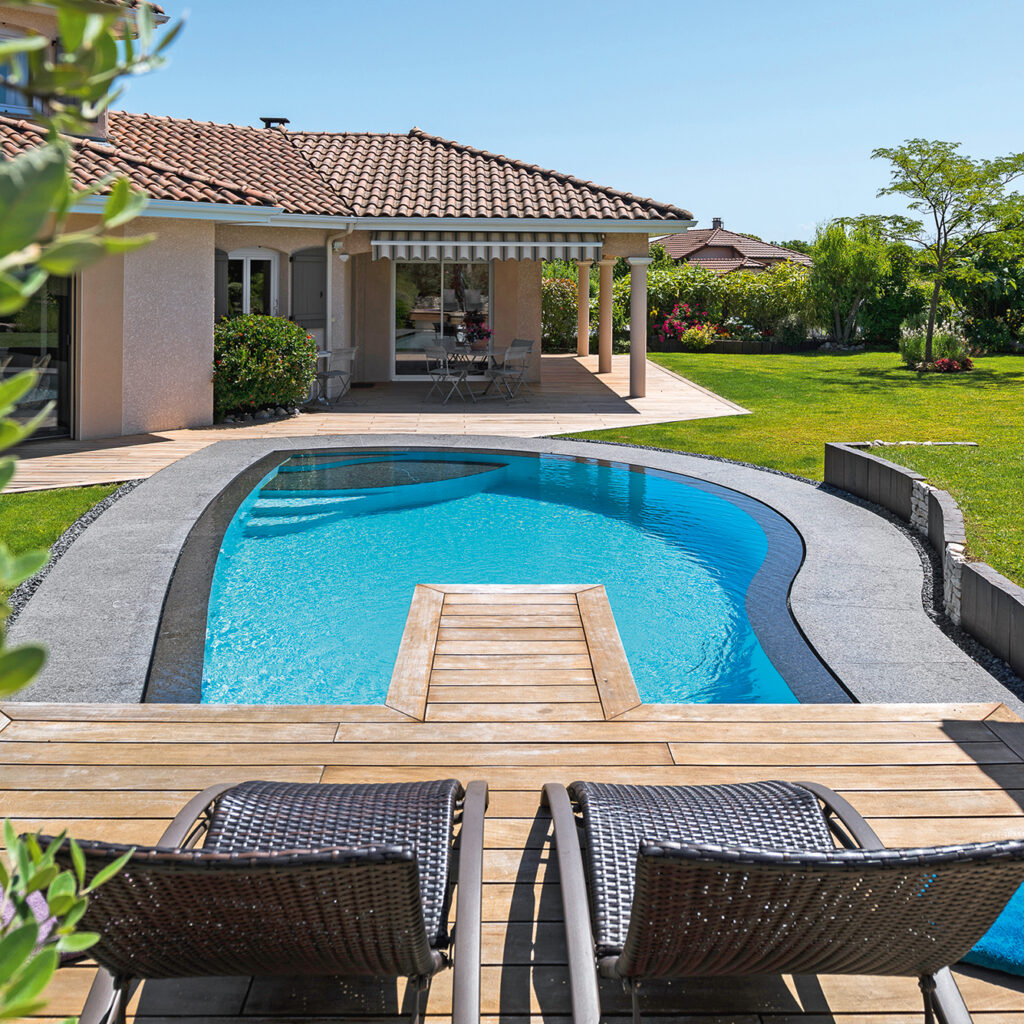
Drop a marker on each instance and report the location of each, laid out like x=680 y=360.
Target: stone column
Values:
x=638 y=325
x=604 y=306
x=583 y=307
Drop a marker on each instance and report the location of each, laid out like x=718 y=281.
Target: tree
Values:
x=850 y=261
x=963 y=201
x=796 y=245
x=896 y=298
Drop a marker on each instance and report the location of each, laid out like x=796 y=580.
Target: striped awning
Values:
x=485 y=245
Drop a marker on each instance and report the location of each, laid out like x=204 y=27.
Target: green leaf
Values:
x=62 y=886
x=42 y=878
x=19 y=666
x=72 y=29
x=114 y=244
x=33 y=979
x=125 y=204
x=27 y=564
x=78 y=942
x=15 y=949
x=109 y=871
x=68 y=255
x=23 y=44
x=74 y=915
x=78 y=860
x=15 y=293
x=30 y=187
x=15 y=388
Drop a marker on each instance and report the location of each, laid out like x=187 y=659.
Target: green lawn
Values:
x=35 y=519
x=798 y=402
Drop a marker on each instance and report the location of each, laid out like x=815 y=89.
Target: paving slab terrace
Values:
x=572 y=397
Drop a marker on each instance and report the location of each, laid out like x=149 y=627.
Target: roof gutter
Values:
x=275 y=216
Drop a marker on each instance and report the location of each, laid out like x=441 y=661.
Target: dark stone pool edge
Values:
x=857 y=596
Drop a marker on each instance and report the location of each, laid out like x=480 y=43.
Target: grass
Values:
x=798 y=402
x=35 y=519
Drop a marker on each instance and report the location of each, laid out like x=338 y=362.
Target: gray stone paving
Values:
x=857 y=597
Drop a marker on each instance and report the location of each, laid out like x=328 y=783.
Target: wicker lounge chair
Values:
x=741 y=880
x=297 y=879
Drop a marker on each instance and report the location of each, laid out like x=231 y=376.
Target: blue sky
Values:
x=762 y=113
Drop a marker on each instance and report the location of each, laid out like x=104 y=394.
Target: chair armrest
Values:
x=469 y=907
x=850 y=819
x=188 y=823
x=579 y=935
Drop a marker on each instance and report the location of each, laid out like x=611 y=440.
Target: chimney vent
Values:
x=273 y=122
x=716 y=222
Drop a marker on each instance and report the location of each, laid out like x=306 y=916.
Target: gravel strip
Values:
x=21 y=595
x=931 y=564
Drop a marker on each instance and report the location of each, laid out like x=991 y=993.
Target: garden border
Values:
x=983 y=602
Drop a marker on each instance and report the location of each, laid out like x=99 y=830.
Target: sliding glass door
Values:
x=39 y=338
x=432 y=303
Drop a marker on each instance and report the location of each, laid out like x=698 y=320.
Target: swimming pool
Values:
x=316 y=570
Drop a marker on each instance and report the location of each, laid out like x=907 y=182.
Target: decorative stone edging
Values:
x=976 y=597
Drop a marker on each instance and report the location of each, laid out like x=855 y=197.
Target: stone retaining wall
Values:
x=976 y=597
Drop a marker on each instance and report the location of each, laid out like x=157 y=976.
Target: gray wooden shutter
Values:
x=309 y=288
x=220 y=284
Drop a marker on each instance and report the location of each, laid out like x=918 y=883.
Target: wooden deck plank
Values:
x=611 y=668
x=411 y=675
x=942 y=774
x=511 y=634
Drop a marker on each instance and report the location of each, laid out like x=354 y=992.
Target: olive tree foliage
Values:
x=41 y=904
x=72 y=85
x=850 y=261
x=961 y=201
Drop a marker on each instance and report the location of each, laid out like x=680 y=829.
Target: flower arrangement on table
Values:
x=475 y=332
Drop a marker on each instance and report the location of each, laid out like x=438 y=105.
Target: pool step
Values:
x=551 y=645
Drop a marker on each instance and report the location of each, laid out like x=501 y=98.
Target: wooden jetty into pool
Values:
x=554 y=647
x=922 y=774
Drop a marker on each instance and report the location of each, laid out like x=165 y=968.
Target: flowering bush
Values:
x=699 y=337
x=684 y=318
x=953 y=365
x=945 y=347
x=260 y=362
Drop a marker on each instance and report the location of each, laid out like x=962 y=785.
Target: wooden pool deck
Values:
x=921 y=774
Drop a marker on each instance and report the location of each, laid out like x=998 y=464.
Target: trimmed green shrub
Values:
x=558 y=312
x=260 y=362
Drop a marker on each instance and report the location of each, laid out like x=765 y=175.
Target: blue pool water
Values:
x=312 y=586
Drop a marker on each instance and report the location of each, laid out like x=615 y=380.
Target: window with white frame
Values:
x=252 y=282
x=13 y=69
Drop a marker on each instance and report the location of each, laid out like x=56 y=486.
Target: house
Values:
x=382 y=241
x=725 y=251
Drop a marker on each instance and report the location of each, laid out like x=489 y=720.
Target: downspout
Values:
x=328 y=319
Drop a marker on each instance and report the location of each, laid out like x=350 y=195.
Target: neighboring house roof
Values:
x=133 y=4
x=749 y=253
x=348 y=174
x=421 y=175
x=91 y=161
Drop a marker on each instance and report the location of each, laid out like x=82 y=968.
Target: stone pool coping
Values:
x=857 y=597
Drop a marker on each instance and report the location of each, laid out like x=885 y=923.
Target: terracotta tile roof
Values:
x=687 y=245
x=421 y=175
x=91 y=161
x=257 y=161
x=355 y=174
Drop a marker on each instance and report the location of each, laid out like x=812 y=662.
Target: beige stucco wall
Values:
x=626 y=245
x=516 y=305
x=21 y=19
x=168 y=327
x=99 y=358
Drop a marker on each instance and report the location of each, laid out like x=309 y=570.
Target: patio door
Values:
x=432 y=300
x=39 y=338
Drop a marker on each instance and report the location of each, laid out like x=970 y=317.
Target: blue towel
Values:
x=1002 y=946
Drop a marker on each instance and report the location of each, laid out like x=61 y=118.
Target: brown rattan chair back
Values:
x=701 y=910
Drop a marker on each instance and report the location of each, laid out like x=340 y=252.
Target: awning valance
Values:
x=485 y=245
